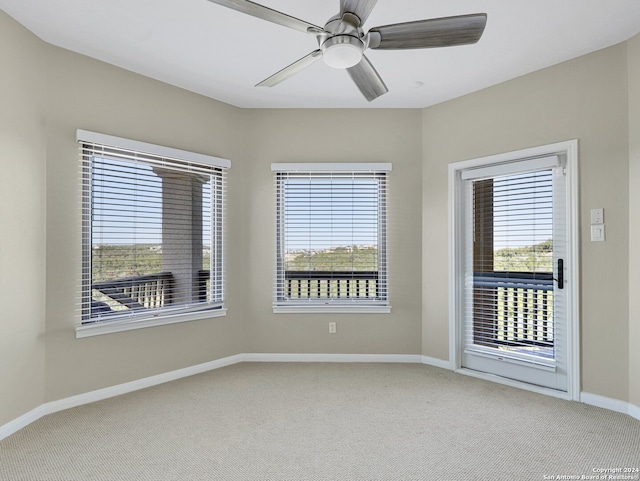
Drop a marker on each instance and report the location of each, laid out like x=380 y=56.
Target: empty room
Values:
x=338 y=239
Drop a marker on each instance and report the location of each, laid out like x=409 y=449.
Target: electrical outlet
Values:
x=332 y=328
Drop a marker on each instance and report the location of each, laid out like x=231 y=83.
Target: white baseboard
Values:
x=610 y=404
x=146 y=382
x=100 y=394
x=22 y=421
x=435 y=362
x=386 y=358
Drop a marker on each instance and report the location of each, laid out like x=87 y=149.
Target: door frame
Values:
x=568 y=150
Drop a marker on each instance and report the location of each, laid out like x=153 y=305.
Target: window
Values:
x=511 y=262
x=152 y=227
x=331 y=252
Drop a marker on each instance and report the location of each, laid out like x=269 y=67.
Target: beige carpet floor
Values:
x=282 y=421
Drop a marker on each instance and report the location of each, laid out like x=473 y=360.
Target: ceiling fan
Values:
x=342 y=41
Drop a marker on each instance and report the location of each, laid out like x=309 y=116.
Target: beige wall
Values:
x=22 y=221
x=633 y=53
x=336 y=136
x=92 y=95
x=47 y=93
x=583 y=99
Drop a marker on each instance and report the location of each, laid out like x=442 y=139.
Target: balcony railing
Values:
x=153 y=291
x=331 y=285
x=139 y=292
x=513 y=309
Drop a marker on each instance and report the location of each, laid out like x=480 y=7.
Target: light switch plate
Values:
x=597 y=233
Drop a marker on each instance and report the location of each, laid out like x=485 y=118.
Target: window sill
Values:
x=331 y=309
x=109 y=327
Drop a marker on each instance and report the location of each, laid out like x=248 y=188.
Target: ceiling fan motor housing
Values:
x=342 y=51
x=343 y=46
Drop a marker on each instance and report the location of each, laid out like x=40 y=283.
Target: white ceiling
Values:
x=221 y=53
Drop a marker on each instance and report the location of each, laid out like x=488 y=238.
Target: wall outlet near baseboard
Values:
x=332 y=327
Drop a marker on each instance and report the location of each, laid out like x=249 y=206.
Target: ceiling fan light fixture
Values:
x=342 y=51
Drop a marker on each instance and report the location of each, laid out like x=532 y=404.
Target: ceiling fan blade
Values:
x=436 y=32
x=291 y=70
x=266 y=13
x=367 y=79
x=361 y=8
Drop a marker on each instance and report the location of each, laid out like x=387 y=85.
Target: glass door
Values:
x=514 y=298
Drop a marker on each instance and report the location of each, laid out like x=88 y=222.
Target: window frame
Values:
x=281 y=304
x=181 y=160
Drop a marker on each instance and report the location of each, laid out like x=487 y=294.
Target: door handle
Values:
x=560 y=278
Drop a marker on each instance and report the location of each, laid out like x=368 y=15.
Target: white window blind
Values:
x=153 y=230
x=331 y=234
x=509 y=267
